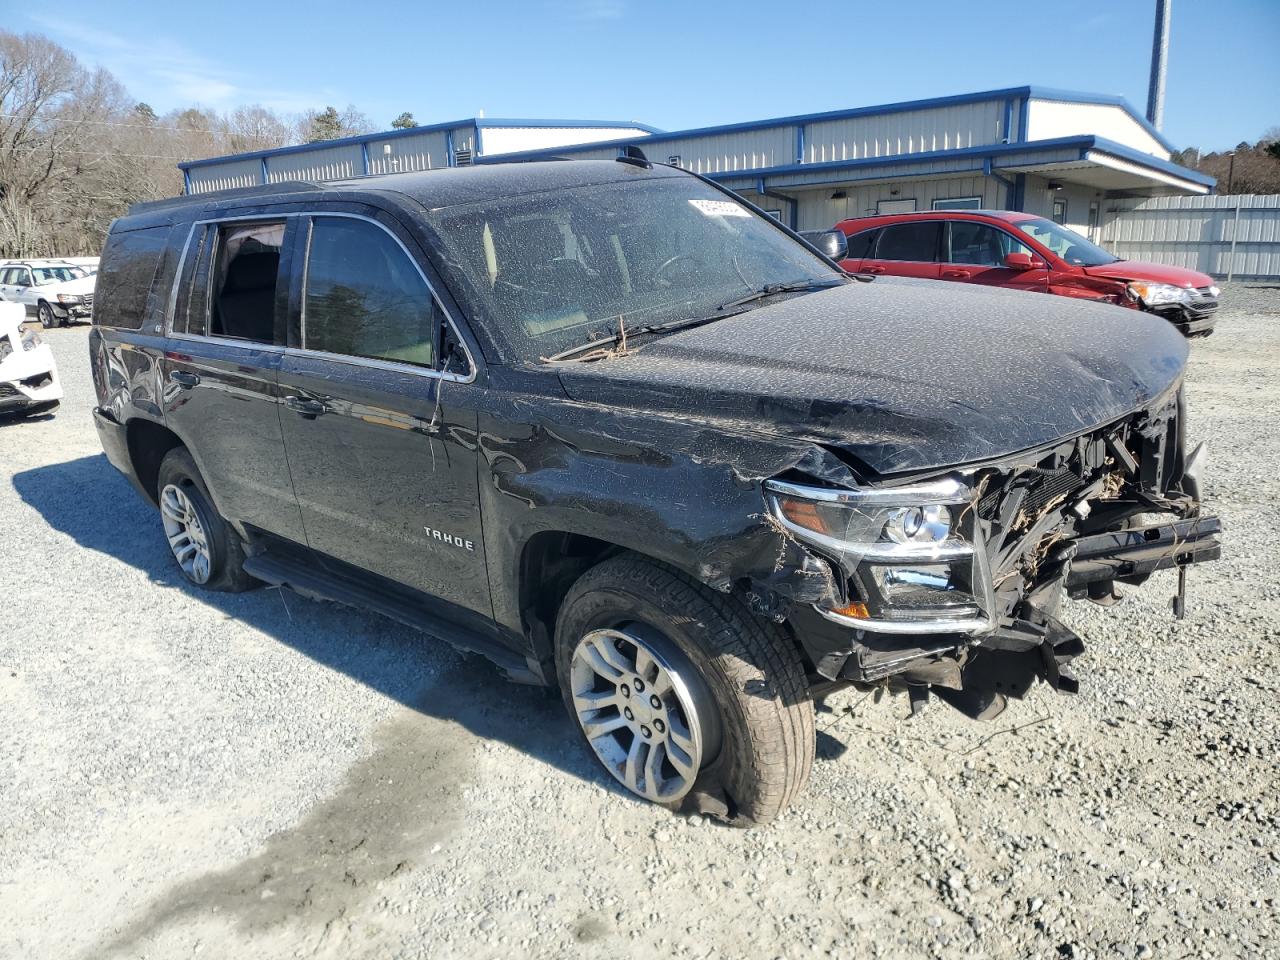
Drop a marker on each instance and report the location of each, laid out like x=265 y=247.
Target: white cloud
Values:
x=168 y=75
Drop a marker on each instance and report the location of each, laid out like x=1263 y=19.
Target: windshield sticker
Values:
x=720 y=208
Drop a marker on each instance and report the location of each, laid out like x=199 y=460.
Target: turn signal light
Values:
x=856 y=609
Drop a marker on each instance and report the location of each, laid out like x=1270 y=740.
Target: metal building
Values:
x=1056 y=153
x=455 y=144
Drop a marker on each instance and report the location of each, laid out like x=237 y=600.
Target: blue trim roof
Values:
x=475 y=123
x=994 y=150
x=904 y=106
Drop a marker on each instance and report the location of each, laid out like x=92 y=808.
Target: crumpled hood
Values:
x=904 y=375
x=1151 y=272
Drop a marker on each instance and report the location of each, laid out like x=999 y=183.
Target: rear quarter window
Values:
x=860 y=244
x=126 y=293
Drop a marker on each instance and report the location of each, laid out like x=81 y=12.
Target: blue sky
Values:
x=672 y=65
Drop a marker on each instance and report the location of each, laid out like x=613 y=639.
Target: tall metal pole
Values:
x=1159 y=59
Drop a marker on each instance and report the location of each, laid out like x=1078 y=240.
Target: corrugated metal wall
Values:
x=423 y=151
x=917 y=131
x=851 y=138
x=329 y=163
x=1236 y=236
x=819 y=212
x=226 y=176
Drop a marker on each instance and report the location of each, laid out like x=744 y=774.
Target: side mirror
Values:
x=831 y=243
x=1022 y=261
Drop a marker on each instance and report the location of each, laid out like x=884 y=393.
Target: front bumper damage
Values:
x=28 y=371
x=1077 y=519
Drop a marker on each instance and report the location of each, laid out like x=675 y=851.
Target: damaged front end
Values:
x=951 y=584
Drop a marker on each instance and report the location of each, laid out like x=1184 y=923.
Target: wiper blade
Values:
x=602 y=343
x=772 y=289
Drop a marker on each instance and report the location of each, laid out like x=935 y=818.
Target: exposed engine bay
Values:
x=957 y=595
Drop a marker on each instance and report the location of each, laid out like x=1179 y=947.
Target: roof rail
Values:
x=258 y=190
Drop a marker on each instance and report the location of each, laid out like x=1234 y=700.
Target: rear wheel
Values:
x=687 y=699
x=207 y=550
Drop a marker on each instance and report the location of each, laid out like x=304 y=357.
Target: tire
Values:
x=47 y=318
x=760 y=710
x=223 y=569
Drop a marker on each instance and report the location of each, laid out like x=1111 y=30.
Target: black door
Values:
x=221 y=365
x=380 y=440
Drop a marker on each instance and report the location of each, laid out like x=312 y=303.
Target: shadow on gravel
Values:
x=393 y=805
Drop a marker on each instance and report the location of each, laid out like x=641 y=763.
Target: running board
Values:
x=316 y=583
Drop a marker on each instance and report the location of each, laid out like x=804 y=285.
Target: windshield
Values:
x=45 y=275
x=1067 y=244
x=552 y=270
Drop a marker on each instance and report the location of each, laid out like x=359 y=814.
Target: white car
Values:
x=28 y=374
x=57 y=292
x=88 y=264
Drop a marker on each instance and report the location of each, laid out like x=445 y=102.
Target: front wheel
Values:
x=46 y=316
x=687 y=699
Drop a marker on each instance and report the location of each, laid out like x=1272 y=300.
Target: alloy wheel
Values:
x=644 y=709
x=187 y=537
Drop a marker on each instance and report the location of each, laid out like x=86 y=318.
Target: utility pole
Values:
x=1231 y=172
x=1159 y=61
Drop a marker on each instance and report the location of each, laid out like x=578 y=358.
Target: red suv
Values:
x=1025 y=252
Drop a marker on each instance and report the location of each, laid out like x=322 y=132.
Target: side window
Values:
x=916 y=242
x=190 y=307
x=5 y=274
x=981 y=244
x=242 y=281
x=860 y=244
x=364 y=296
x=130 y=262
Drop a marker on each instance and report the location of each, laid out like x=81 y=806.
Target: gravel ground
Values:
x=187 y=774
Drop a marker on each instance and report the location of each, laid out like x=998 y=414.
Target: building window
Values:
x=1060 y=211
x=896 y=206
x=958 y=203
x=776 y=214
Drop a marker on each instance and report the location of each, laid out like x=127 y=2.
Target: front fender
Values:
x=686 y=493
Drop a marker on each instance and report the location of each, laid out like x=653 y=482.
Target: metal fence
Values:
x=1230 y=237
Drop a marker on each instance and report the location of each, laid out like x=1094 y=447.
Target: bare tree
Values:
x=75 y=150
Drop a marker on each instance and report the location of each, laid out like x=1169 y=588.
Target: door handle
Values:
x=306 y=407
x=872 y=270
x=956 y=274
x=184 y=379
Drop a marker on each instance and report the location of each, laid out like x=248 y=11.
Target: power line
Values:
x=100 y=123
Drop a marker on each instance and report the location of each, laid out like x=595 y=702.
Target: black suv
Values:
x=617 y=430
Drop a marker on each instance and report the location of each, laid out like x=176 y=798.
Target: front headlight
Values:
x=1159 y=294
x=70 y=298
x=913 y=557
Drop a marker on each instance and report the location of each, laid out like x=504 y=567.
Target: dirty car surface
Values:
x=662 y=454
